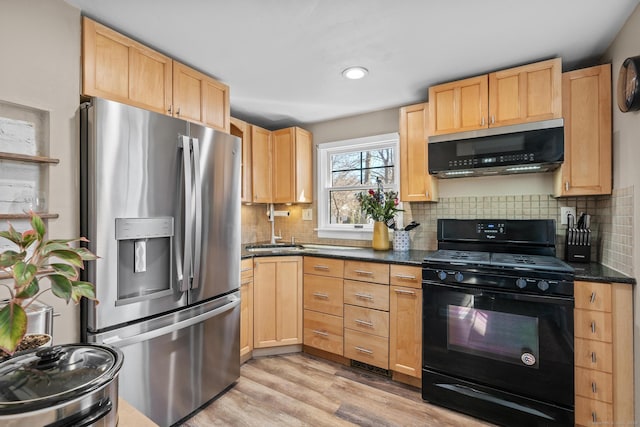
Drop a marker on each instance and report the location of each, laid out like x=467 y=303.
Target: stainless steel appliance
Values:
x=498 y=323
x=529 y=147
x=161 y=208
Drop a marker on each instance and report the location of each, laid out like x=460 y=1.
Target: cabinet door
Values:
x=246 y=307
x=277 y=302
x=416 y=185
x=586 y=104
x=242 y=130
x=199 y=98
x=261 y=164
x=304 y=166
x=405 y=335
x=118 y=68
x=458 y=106
x=283 y=165
x=526 y=94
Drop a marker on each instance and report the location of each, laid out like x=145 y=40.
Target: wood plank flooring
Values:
x=302 y=390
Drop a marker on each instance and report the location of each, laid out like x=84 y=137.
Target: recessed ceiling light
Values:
x=355 y=73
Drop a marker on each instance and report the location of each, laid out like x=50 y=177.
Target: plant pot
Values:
x=380 y=240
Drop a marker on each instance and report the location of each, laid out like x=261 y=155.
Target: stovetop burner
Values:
x=501 y=260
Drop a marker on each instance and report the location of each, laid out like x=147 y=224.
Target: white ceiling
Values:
x=283 y=58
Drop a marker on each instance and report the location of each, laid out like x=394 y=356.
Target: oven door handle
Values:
x=516 y=296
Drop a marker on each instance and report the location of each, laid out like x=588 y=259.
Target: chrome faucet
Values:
x=272 y=214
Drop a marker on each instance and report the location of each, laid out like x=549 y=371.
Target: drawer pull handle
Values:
x=593 y=297
x=406 y=276
x=593 y=387
x=402 y=291
x=593 y=327
x=363 y=350
x=364 y=272
x=364 y=322
x=594 y=417
x=364 y=296
x=321 y=267
x=320 y=295
x=593 y=357
x=321 y=333
x=246 y=282
x=246 y=269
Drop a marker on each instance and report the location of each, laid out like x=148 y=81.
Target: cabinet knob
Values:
x=593 y=357
x=594 y=417
x=482 y=121
x=364 y=350
x=593 y=327
x=178 y=111
x=566 y=186
x=170 y=109
x=593 y=297
x=493 y=120
x=593 y=387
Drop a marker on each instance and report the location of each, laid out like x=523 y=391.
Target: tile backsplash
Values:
x=611 y=221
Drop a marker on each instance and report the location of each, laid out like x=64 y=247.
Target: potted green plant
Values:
x=33 y=259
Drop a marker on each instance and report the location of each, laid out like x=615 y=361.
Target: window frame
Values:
x=324 y=153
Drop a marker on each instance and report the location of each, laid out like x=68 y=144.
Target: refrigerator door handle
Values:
x=198 y=214
x=116 y=341
x=184 y=275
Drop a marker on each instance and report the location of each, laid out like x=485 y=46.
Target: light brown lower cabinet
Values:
x=246 y=308
x=603 y=330
x=277 y=296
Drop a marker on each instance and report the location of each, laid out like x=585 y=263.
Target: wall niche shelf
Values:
x=27 y=158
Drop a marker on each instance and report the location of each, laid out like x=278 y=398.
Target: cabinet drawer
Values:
x=593 y=296
x=594 y=384
x=403 y=275
x=366 y=348
x=367 y=271
x=369 y=295
x=593 y=325
x=323 y=266
x=366 y=320
x=591 y=412
x=593 y=355
x=246 y=269
x=323 y=331
x=323 y=294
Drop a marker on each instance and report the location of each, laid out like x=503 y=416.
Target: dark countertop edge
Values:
x=592 y=272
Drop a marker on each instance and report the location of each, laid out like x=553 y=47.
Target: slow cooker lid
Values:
x=57 y=373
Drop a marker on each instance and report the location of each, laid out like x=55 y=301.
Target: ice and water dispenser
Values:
x=144 y=258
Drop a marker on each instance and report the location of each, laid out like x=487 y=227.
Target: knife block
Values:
x=578 y=245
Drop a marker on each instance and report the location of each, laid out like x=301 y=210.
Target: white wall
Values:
x=40 y=68
x=626 y=155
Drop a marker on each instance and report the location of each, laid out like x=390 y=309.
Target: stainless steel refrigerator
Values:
x=160 y=204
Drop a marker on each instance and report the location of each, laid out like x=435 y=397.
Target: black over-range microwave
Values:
x=525 y=148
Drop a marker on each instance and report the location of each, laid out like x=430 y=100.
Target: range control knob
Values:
x=442 y=275
x=543 y=285
x=521 y=283
x=459 y=277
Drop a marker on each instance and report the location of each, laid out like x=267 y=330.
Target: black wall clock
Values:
x=629 y=85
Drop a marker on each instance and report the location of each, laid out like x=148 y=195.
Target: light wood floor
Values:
x=301 y=390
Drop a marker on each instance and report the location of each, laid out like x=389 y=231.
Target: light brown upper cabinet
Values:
x=261 y=164
x=242 y=130
x=586 y=107
x=416 y=185
x=282 y=165
x=200 y=98
x=458 y=106
x=118 y=68
x=522 y=94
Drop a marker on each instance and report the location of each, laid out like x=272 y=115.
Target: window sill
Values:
x=345 y=234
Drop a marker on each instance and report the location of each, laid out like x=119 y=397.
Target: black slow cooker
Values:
x=66 y=385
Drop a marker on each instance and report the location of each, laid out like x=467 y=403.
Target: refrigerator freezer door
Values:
x=217 y=219
x=132 y=173
x=200 y=346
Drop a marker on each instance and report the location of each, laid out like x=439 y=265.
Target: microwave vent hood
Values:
x=523 y=148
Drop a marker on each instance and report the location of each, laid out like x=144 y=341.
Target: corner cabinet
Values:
x=586 y=100
x=527 y=93
x=603 y=325
x=121 y=69
x=277 y=296
x=416 y=185
x=282 y=165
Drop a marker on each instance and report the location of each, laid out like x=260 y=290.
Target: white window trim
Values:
x=348 y=231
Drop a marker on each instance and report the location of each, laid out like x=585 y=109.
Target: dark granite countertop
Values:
x=592 y=272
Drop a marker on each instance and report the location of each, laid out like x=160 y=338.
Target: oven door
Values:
x=514 y=342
